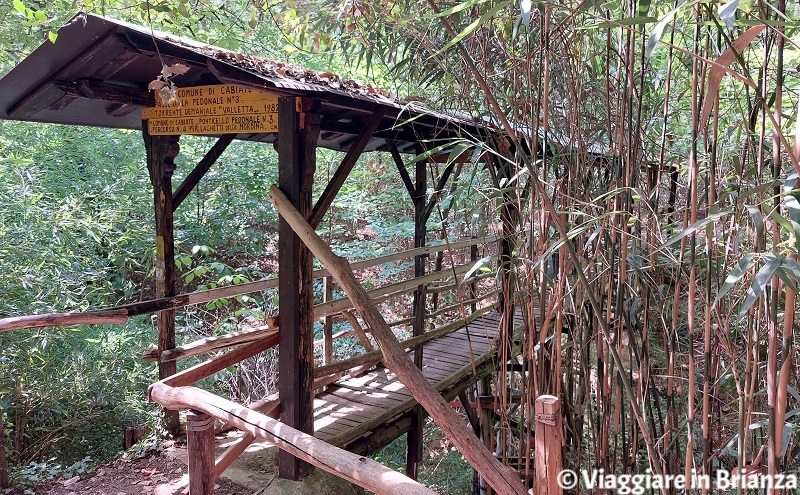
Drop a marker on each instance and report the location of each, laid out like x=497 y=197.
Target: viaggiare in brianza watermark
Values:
x=623 y=484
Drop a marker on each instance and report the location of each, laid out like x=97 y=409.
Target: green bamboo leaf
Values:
x=628 y=21
x=458 y=8
x=658 y=29
x=782 y=221
x=727 y=12
x=691 y=229
x=457 y=151
x=735 y=274
x=478 y=264
x=759 y=188
x=793 y=207
x=791 y=266
x=760 y=282
x=781 y=273
x=758 y=220
x=435 y=151
x=474 y=25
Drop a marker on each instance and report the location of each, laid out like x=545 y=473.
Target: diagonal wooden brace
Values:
x=503 y=479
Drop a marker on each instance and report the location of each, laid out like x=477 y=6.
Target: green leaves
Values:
x=727 y=13
x=692 y=229
x=19 y=7
x=658 y=30
x=475 y=25
x=783 y=267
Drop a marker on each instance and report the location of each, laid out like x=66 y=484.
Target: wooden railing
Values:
x=119 y=315
x=257 y=420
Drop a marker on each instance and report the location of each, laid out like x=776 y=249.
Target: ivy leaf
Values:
x=179 y=69
x=19 y=6
x=52 y=36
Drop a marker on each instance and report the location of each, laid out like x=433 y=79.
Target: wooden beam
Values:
x=207 y=368
x=297 y=141
x=471 y=415
x=439 y=186
x=358 y=330
x=105 y=317
x=201 y=297
x=209 y=344
x=98 y=90
x=200 y=446
x=327 y=324
x=35 y=101
x=348 y=162
x=354 y=468
x=392 y=133
x=375 y=356
x=161 y=152
x=505 y=480
x=201 y=169
x=401 y=168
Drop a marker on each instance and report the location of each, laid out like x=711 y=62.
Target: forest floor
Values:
x=163 y=472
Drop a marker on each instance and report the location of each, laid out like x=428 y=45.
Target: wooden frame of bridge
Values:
x=97 y=74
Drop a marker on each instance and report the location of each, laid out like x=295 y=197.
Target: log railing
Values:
x=120 y=314
x=257 y=419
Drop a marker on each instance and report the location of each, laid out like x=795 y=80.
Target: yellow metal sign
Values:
x=218 y=109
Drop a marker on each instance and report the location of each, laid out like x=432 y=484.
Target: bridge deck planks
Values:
x=356 y=405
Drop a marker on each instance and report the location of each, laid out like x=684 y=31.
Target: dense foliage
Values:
x=655 y=207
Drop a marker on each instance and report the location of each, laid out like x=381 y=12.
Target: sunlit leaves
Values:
x=658 y=30
x=727 y=12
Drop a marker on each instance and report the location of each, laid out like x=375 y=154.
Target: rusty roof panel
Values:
x=97 y=73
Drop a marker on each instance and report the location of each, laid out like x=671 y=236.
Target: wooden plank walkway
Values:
x=354 y=406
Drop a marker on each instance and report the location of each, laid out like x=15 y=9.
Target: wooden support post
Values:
x=297 y=143
x=549 y=439
x=473 y=287
x=414 y=437
x=504 y=479
x=327 y=324
x=487 y=429
x=4 y=481
x=161 y=153
x=471 y=415
x=200 y=446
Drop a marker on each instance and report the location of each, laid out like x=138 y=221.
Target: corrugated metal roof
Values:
x=97 y=73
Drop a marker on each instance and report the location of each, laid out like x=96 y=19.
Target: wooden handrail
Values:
x=120 y=314
x=105 y=317
x=375 y=356
x=356 y=469
x=321 y=310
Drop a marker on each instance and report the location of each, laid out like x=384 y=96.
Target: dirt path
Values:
x=160 y=473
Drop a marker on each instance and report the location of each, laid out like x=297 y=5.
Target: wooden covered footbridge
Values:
x=98 y=73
